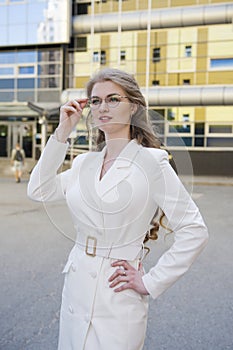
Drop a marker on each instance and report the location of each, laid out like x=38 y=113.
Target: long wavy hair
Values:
x=140 y=126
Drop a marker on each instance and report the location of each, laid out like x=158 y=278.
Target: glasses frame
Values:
x=105 y=100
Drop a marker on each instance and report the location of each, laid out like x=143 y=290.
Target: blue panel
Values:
x=26 y=57
x=7 y=57
x=7 y=71
x=6 y=84
x=27 y=70
x=28 y=83
x=6 y=96
x=221 y=62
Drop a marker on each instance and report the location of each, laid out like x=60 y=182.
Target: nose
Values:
x=103 y=106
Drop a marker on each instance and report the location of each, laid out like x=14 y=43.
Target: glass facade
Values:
x=28 y=75
x=27 y=22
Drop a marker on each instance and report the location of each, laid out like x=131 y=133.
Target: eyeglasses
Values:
x=111 y=100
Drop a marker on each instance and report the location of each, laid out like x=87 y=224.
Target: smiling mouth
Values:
x=105 y=118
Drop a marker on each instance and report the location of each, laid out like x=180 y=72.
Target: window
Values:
x=188 y=51
x=186 y=81
x=6 y=71
x=221 y=63
x=95 y=57
x=155 y=82
x=123 y=55
x=81 y=44
x=27 y=70
x=103 y=57
x=156 y=54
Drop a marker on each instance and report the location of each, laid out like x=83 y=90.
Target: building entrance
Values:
x=17 y=132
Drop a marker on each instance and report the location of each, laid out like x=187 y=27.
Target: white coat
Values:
x=115 y=213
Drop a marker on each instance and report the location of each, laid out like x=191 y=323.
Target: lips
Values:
x=105 y=118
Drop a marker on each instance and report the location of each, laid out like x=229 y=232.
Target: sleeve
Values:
x=45 y=184
x=185 y=220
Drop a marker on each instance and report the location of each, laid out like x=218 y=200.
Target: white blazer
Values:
x=111 y=217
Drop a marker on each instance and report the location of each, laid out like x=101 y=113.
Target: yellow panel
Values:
x=80 y=82
x=129 y=5
x=201 y=64
x=200 y=114
x=220 y=40
x=216 y=1
x=173 y=79
x=201 y=78
x=183 y=2
x=221 y=77
x=218 y=114
x=159 y=4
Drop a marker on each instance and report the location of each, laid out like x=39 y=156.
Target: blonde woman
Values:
x=113 y=194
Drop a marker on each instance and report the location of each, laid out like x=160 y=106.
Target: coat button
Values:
x=71 y=310
x=93 y=274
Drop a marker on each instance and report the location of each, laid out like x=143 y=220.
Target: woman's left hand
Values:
x=128 y=274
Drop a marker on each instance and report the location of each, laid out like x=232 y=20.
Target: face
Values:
x=111 y=117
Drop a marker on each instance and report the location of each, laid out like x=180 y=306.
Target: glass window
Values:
x=221 y=63
x=6 y=96
x=17 y=33
x=103 y=57
x=220 y=129
x=188 y=51
x=27 y=70
x=156 y=54
x=7 y=57
x=27 y=95
x=26 y=57
x=81 y=44
x=27 y=83
x=49 y=55
x=95 y=56
x=6 y=84
x=6 y=70
x=3 y=15
x=123 y=55
x=17 y=14
x=49 y=82
x=186 y=81
x=49 y=69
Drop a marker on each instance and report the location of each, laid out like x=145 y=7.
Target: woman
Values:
x=113 y=195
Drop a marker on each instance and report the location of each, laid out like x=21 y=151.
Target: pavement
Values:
x=35 y=239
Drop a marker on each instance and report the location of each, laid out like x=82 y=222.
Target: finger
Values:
x=82 y=102
x=123 y=263
x=118 y=272
x=118 y=280
x=73 y=103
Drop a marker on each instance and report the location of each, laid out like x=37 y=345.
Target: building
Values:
x=180 y=51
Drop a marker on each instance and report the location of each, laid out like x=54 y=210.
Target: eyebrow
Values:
x=115 y=93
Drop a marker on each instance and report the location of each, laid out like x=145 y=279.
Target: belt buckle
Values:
x=93 y=253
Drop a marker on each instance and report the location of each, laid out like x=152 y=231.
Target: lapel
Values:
x=116 y=174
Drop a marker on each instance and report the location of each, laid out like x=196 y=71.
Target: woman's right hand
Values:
x=70 y=114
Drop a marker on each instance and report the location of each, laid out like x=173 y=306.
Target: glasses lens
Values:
x=95 y=102
x=113 y=100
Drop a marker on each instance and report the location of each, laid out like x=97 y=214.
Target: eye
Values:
x=114 y=99
x=95 y=101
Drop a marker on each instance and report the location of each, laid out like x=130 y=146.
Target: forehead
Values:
x=105 y=88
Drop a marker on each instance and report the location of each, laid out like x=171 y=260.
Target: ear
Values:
x=134 y=108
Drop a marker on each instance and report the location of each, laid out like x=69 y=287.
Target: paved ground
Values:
x=195 y=314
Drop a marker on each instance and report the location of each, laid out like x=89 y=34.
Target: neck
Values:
x=115 y=146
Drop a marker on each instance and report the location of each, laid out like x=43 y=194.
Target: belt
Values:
x=93 y=247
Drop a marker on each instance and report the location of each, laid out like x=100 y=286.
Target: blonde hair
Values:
x=140 y=126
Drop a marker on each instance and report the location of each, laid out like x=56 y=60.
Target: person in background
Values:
x=17 y=160
x=117 y=195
